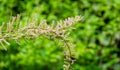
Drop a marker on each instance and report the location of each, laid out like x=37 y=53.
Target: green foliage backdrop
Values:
x=97 y=37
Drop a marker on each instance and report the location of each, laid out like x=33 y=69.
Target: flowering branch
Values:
x=16 y=30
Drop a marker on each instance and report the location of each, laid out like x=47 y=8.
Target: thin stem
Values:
x=68 y=50
x=67 y=46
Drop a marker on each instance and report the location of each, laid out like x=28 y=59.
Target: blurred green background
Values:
x=97 y=36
